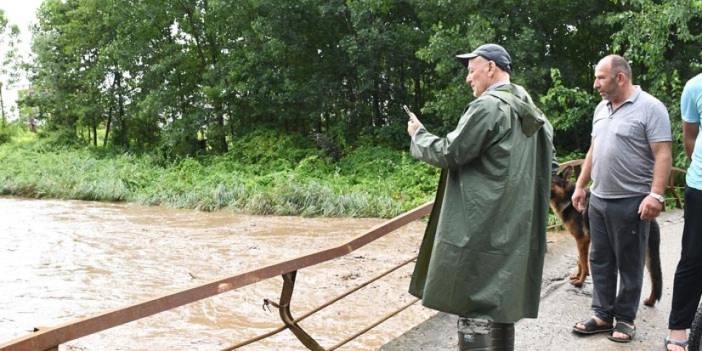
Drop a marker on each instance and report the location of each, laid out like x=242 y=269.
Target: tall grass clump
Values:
x=5 y=135
x=68 y=174
x=263 y=174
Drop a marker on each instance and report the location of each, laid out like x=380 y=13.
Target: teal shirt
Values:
x=690 y=108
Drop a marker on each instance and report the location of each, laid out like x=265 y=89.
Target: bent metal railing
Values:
x=51 y=338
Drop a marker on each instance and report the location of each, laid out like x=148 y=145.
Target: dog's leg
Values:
x=583 y=243
x=577 y=273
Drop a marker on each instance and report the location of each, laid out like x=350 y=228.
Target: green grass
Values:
x=263 y=174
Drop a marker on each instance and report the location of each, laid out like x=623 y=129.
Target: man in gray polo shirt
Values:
x=629 y=161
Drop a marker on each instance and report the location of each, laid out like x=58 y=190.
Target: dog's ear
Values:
x=567 y=173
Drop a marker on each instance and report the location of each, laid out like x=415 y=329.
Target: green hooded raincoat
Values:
x=483 y=250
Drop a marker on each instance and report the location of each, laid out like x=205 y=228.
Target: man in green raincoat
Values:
x=483 y=251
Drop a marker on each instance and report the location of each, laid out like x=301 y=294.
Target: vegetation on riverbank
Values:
x=164 y=102
x=263 y=173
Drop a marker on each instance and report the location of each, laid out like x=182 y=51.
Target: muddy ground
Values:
x=562 y=305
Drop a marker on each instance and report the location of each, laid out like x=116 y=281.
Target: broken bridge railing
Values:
x=50 y=338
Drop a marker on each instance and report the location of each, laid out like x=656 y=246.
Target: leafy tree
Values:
x=663 y=41
x=10 y=63
x=3 y=24
x=193 y=76
x=570 y=112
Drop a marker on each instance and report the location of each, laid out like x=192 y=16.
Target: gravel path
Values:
x=562 y=305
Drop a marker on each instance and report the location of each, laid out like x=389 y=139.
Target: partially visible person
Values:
x=483 y=251
x=629 y=161
x=687 y=286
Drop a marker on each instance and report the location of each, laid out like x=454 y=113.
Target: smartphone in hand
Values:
x=407 y=110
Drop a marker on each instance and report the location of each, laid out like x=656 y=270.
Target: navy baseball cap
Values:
x=490 y=52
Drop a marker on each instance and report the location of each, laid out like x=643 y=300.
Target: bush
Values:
x=7 y=132
x=263 y=174
x=570 y=112
x=5 y=136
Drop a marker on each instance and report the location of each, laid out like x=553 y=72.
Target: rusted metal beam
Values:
x=286 y=316
x=575 y=164
x=316 y=309
x=46 y=339
x=671 y=185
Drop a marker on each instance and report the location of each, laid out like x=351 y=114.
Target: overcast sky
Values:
x=21 y=13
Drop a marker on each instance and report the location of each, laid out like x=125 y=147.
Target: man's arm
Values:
x=579 y=194
x=690 y=131
x=476 y=130
x=650 y=208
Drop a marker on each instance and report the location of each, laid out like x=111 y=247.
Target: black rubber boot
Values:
x=482 y=335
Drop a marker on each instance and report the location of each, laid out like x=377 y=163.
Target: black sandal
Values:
x=626 y=329
x=668 y=341
x=591 y=327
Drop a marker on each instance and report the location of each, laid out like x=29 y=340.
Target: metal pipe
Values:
x=366 y=329
x=319 y=308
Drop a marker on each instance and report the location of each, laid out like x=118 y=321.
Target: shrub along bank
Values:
x=262 y=173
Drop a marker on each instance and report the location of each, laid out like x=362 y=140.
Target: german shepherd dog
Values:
x=577 y=224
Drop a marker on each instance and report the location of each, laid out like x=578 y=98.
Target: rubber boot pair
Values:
x=483 y=335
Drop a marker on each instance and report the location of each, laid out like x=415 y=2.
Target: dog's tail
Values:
x=653 y=261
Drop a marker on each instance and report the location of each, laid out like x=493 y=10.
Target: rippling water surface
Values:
x=64 y=260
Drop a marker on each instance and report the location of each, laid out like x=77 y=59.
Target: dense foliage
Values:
x=268 y=174
x=293 y=106
x=190 y=76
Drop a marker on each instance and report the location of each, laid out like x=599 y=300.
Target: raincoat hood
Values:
x=531 y=118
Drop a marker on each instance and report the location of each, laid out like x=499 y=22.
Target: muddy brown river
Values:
x=64 y=260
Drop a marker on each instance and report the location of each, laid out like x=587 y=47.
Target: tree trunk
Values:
x=319 y=123
x=107 y=126
x=232 y=130
x=219 y=135
x=417 y=92
x=123 y=136
x=2 y=107
x=94 y=132
x=376 y=106
x=201 y=37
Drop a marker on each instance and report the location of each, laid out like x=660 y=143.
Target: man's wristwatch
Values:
x=658 y=197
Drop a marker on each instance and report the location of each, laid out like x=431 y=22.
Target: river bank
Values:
x=263 y=174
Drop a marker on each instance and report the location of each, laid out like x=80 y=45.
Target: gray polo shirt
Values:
x=622 y=164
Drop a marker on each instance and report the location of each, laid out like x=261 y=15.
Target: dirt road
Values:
x=562 y=305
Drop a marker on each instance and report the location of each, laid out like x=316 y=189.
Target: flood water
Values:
x=65 y=260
